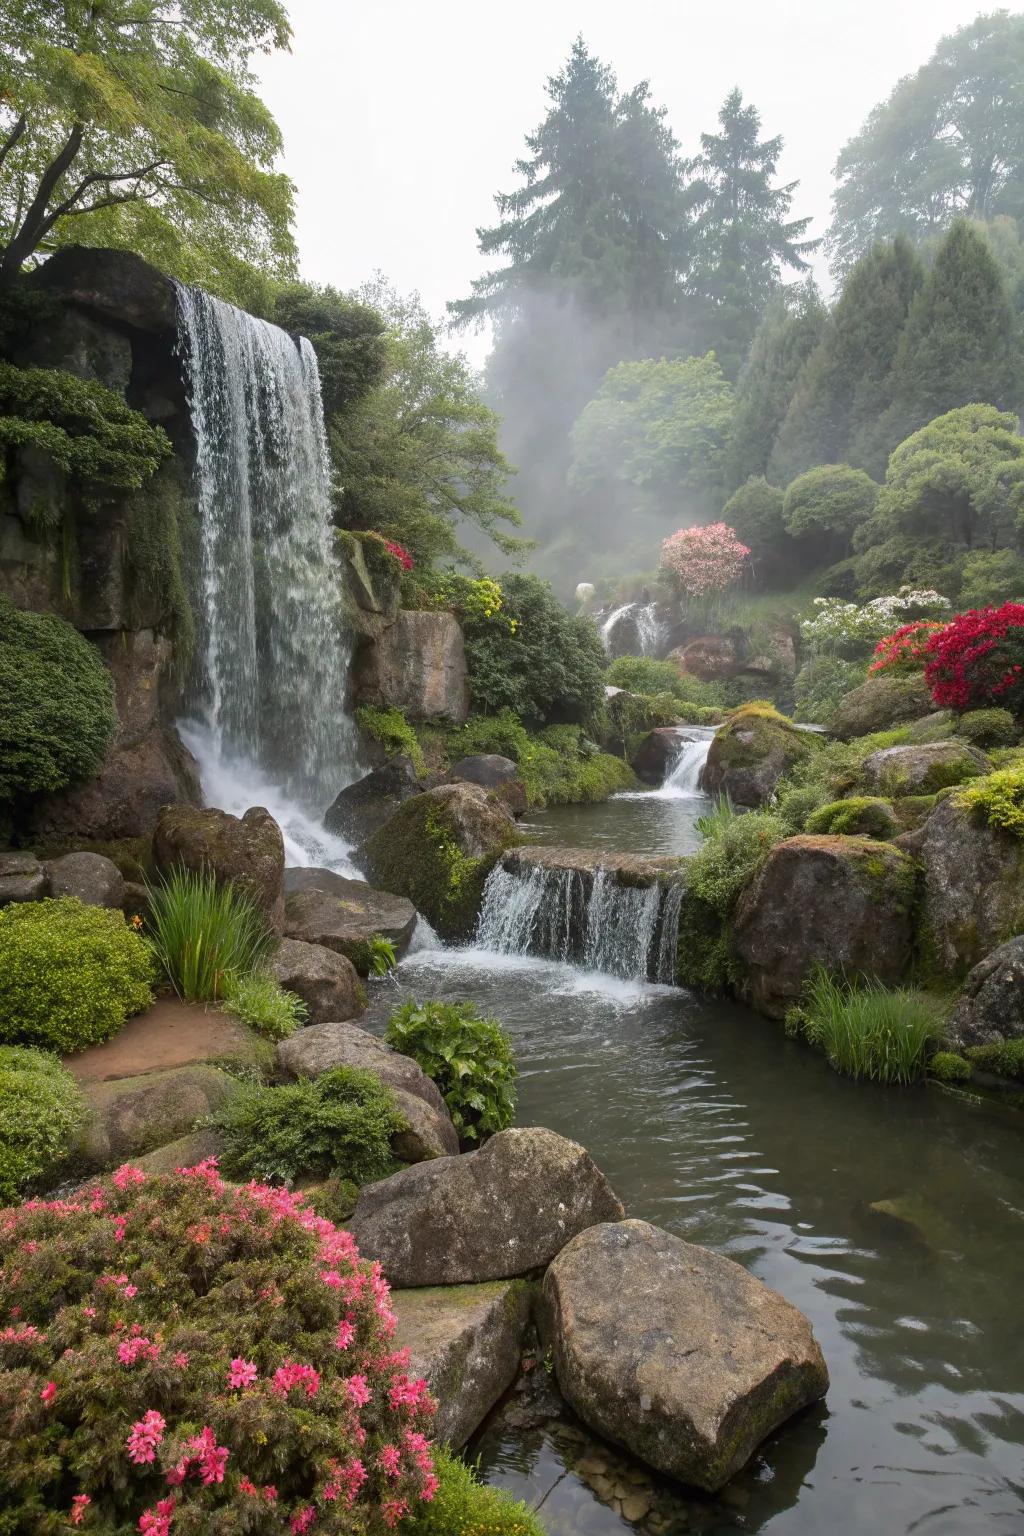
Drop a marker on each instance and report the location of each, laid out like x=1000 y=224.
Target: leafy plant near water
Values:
x=948 y=1067
x=337 y=1125
x=392 y=730
x=1003 y=1057
x=860 y=816
x=70 y=974
x=381 y=957
x=463 y=1506
x=206 y=935
x=469 y=1058
x=259 y=1001
x=40 y=1109
x=734 y=848
x=865 y=1029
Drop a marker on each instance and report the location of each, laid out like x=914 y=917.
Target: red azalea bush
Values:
x=978 y=659
x=401 y=555
x=180 y=1356
x=905 y=650
x=705 y=559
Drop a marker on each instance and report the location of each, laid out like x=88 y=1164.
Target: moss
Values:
x=767 y=733
x=1003 y=1057
x=912 y=811
x=867 y=816
x=161 y=542
x=948 y=1067
x=944 y=774
x=392 y=731
x=988 y=727
x=133 y=856
x=997 y=799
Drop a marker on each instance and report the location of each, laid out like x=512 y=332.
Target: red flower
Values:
x=401 y=555
x=976 y=659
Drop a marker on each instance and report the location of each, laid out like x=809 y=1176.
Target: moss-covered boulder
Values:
x=132 y=1115
x=991 y=1006
x=248 y=851
x=972 y=893
x=881 y=702
x=437 y=850
x=923 y=768
x=844 y=903
x=859 y=816
x=750 y=754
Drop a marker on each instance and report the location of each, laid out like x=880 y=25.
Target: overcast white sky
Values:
x=401 y=119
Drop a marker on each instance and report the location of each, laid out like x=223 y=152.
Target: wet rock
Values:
x=972 y=894
x=493 y=772
x=367 y=804
x=80 y=344
x=326 y=981
x=466 y=1341
x=22 y=878
x=248 y=851
x=417 y=665
x=113 y=283
x=138 y=663
x=675 y=1352
x=923 y=769
x=129 y=1116
x=654 y=757
x=126 y=797
x=88 y=876
x=750 y=754
x=488 y=1215
x=991 y=1006
x=323 y=908
x=880 y=703
x=712 y=658
x=429 y=1130
x=840 y=902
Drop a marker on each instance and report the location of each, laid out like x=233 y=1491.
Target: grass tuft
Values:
x=866 y=1030
x=206 y=936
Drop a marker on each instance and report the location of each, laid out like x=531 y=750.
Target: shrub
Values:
x=826 y=504
x=997 y=799
x=978 y=659
x=463 y=1506
x=642 y=674
x=266 y=1007
x=1003 y=1057
x=182 y=1347
x=704 y=560
x=849 y=629
x=69 y=974
x=948 y=1067
x=860 y=816
x=206 y=935
x=987 y=727
x=337 y=1125
x=991 y=576
x=734 y=849
x=381 y=957
x=906 y=649
x=820 y=684
x=469 y=1058
x=558 y=766
x=40 y=1110
x=392 y=730
x=866 y=1030
x=57 y=715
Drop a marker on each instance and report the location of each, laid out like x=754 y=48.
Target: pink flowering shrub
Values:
x=180 y=1356
x=704 y=560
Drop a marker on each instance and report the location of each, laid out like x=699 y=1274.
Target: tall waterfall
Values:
x=270 y=693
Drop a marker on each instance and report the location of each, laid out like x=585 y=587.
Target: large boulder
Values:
x=22 y=878
x=879 y=703
x=656 y=754
x=326 y=981
x=429 y=1130
x=751 y=753
x=438 y=850
x=488 y=1215
x=972 y=895
x=321 y=907
x=370 y=583
x=466 y=1340
x=712 y=658
x=247 y=850
x=844 y=903
x=89 y=876
x=923 y=769
x=128 y=1116
x=126 y=797
x=113 y=283
x=675 y=1352
x=492 y=771
x=991 y=1005
x=362 y=807
x=417 y=665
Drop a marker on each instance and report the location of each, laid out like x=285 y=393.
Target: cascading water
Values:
x=271 y=725
x=645 y=625
x=683 y=777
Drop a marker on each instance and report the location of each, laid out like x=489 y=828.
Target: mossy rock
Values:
x=860 y=816
x=881 y=702
x=750 y=754
x=134 y=1115
x=923 y=768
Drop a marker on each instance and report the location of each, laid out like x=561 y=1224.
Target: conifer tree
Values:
x=784 y=340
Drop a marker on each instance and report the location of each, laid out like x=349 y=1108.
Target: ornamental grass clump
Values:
x=866 y=1030
x=469 y=1058
x=182 y=1356
x=40 y=1110
x=206 y=934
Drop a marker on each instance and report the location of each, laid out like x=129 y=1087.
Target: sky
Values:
x=402 y=119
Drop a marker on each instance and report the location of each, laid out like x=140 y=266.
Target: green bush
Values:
x=988 y=728
x=40 y=1110
x=463 y=1506
x=206 y=936
x=821 y=683
x=69 y=974
x=866 y=1030
x=735 y=846
x=948 y=1067
x=997 y=799
x=392 y=730
x=861 y=816
x=338 y=1125
x=266 y=1007
x=380 y=956
x=469 y=1058
x=1003 y=1057
x=558 y=766
x=642 y=674
x=57 y=715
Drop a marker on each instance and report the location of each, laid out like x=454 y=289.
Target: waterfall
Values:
x=611 y=622
x=273 y=664
x=648 y=629
x=683 y=778
x=644 y=623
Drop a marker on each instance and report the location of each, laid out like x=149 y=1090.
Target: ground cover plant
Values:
x=463 y=1506
x=206 y=934
x=469 y=1058
x=40 y=1109
x=259 y=1001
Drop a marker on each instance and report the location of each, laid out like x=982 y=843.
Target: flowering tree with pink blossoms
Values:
x=705 y=560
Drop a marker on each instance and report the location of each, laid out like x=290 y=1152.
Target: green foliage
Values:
x=642 y=674
x=997 y=799
x=988 y=728
x=550 y=667
x=347 y=335
x=469 y=597
x=392 y=730
x=832 y=499
x=948 y=1067
x=755 y=512
x=40 y=1110
x=136 y=124
x=860 y=816
x=381 y=956
x=991 y=576
x=735 y=847
x=266 y=1007
x=463 y=1506
x=57 y=715
x=70 y=974
x=558 y=766
x=469 y=1058
x=207 y=936
x=790 y=329
x=820 y=684
x=337 y=1125
x=866 y=1030
x=1003 y=1057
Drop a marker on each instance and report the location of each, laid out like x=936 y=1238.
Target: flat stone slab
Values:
x=170 y=1034
x=322 y=907
x=467 y=1341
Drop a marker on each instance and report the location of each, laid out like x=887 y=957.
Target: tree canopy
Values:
x=787 y=335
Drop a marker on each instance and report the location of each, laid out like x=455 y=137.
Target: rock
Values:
x=417 y=665
x=488 y=1215
x=972 y=896
x=323 y=908
x=654 y=757
x=78 y=343
x=675 y=1352
x=138 y=663
x=712 y=658
x=880 y=703
x=466 y=1340
x=437 y=850
x=840 y=902
x=326 y=981
x=367 y=804
x=991 y=1006
x=430 y=1131
x=492 y=772
x=777 y=662
x=89 y=876
x=22 y=878
x=248 y=851
x=125 y=799
x=129 y=1116
x=923 y=769
x=113 y=283
x=750 y=754
x=183 y=1152
x=371 y=597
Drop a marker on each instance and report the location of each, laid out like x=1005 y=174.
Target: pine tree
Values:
x=784 y=340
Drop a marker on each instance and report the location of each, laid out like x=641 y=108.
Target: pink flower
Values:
x=137 y=1348
x=78 y=1507
x=242 y=1373
x=158 y=1522
x=389 y=1459
x=212 y=1458
x=303 y=1520
x=704 y=559
x=406 y=1393
x=394 y=1510
x=358 y=1390
x=346 y=1333
x=181 y=1360
x=332 y=1278
x=245 y=1485
x=48 y=1393
x=292 y=1375
x=270 y=1493
x=130 y=1291
x=127 y=1175
x=120 y=1222
x=146 y=1434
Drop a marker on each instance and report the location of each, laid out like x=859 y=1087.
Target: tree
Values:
x=347 y=335
x=948 y=141
x=824 y=507
x=755 y=512
x=417 y=457
x=742 y=236
x=787 y=335
x=135 y=123
x=843 y=388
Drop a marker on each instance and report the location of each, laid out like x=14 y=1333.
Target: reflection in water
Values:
x=893 y=1218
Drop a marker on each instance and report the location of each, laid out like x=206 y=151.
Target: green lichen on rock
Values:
x=1003 y=1057
x=880 y=702
x=755 y=748
x=861 y=815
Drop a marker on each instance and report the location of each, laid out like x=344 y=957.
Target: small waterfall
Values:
x=274 y=662
x=611 y=622
x=648 y=628
x=683 y=778
x=645 y=627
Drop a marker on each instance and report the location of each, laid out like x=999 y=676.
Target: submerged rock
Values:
x=248 y=851
x=923 y=769
x=750 y=754
x=326 y=981
x=417 y=665
x=487 y=1215
x=991 y=1006
x=973 y=887
x=675 y=1352
x=367 y=804
x=323 y=908
x=879 y=703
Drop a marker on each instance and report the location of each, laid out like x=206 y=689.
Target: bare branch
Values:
x=12 y=138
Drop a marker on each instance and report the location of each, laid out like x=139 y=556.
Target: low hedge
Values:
x=40 y=1110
